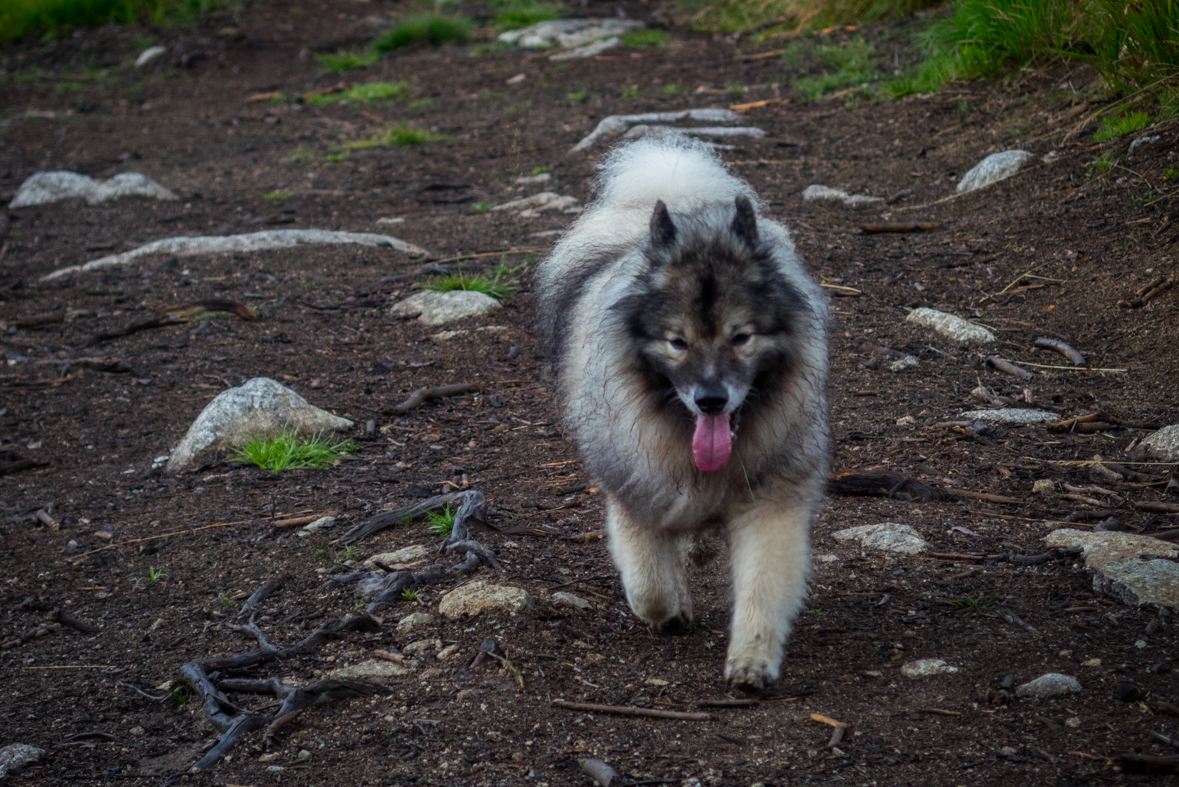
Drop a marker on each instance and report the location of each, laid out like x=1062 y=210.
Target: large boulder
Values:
x=260 y=407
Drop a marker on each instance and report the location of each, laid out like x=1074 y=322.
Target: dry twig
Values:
x=423 y=395
x=840 y=728
x=620 y=710
x=1063 y=349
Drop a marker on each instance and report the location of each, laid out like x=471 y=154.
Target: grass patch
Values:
x=500 y=284
x=421 y=103
x=852 y=63
x=288 y=451
x=396 y=135
x=482 y=207
x=1103 y=163
x=277 y=196
x=432 y=29
x=1113 y=127
x=659 y=39
x=580 y=95
x=368 y=91
x=52 y=18
x=733 y=15
x=409 y=594
x=346 y=61
x=515 y=14
x=630 y=92
x=974 y=603
x=442 y=522
x=301 y=154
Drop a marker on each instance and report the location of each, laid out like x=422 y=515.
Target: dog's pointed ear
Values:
x=745 y=222
x=662 y=229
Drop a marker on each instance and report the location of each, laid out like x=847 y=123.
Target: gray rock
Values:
x=904 y=364
x=18 y=755
x=254 y=241
x=614 y=125
x=926 y=668
x=436 y=308
x=886 y=537
x=1162 y=446
x=371 y=670
x=568 y=33
x=1148 y=140
x=570 y=600
x=323 y=523
x=1119 y=569
x=992 y=169
x=643 y=130
x=589 y=50
x=1010 y=415
x=545 y=200
x=817 y=193
x=423 y=648
x=1052 y=684
x=528 y=180
x=481 y=596
x=951 y=326
x=259 y=407
x=148 y=55
x=405 y=557
x=42 y=188
x=414 y=623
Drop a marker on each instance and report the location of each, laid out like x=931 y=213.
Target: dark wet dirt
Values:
x=1089 y=238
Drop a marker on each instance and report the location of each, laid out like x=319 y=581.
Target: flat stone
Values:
x=570 y=600
x=405 y=557
x=643 y=130
x=545 y=200
x=589 y=50
x=18 y=755
x=526 y=180
x=260 y=407
x=1011 y=415
x=951 y=326
x=369 y=670
x=613 y=125
x=904 y=364
x=323 y=523
x=1052 y=684
x=886 y=537
x=414 y=623
x=1161 y=446
x=926 y=668
x=481 y=596
x=422 y=648
x=1121 y=566
x=43 y=188
x=437 y=308
x=568 y=33
x=266 y=240
x=817 y=193
x=992 y=169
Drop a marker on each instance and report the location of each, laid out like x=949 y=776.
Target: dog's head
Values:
x=713 y=320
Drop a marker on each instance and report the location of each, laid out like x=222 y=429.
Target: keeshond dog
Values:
x=689 y=351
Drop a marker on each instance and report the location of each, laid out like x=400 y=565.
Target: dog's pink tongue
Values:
x=712 y=443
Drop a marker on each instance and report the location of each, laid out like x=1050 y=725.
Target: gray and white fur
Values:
x=689 y=349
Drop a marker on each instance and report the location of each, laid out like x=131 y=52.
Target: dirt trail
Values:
x=1086 y=238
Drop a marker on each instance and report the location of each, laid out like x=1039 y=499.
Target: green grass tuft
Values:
x=277 y=196
x=660 y=39
x=288 y=451
x=346 y=61
x=852 y=63
x=368 y=91
x=1112 y=127
x=515 y=14
x=973 y=603
x=409 y=594
x=431 y=29
x=393 y=136
x=442 y=522
x=500 y=284
x=52 y=18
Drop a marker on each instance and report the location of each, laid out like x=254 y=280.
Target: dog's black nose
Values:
x=712 y=401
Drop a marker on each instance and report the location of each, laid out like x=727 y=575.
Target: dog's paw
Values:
x=750 y=677
x=678 y=625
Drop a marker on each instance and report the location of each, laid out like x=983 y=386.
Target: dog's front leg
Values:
x=770 y=548
x=651 y=562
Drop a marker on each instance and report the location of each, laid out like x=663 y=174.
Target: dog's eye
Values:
x=678 y=344
x=740 y=339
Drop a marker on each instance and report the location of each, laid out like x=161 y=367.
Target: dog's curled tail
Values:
x=683 y=172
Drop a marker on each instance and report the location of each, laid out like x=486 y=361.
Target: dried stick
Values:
x=1146 y=293
x=913 y=226
x=423 y=395
x=726 y=703
x=840 y=728
x=153 y=538
x=1156 y=507
x=619 y=710
x=258 y=596
x=1008 y=367
x=1063 y=349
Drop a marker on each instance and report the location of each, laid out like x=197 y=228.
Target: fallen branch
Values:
x=1063 y=349
x=1142 y=296
x=1008 y=367
x=840 y=728
x=883 y=484
x=258 y=596
x=912 y=226
x=1146 y=763
x=727 y=703
x=17 y=465
x=619 y=710
x=1156 y=507
x=423 y=395
x=297 y=521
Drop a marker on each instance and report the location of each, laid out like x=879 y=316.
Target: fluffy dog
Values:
x=689 y=348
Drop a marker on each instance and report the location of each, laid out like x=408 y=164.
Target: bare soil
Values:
x=1088 y=238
